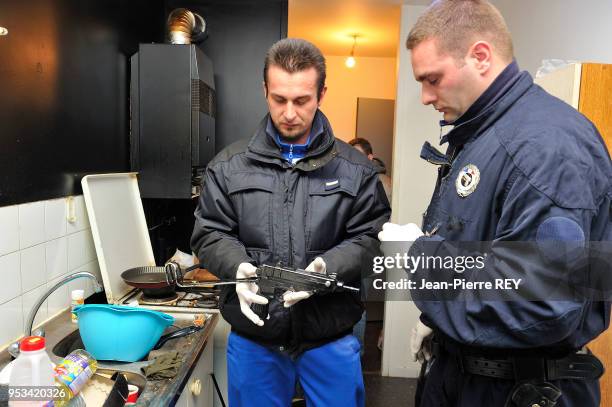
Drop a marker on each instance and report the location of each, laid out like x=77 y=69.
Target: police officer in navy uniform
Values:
x=520 y=166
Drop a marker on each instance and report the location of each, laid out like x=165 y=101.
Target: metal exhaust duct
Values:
x=185 y=27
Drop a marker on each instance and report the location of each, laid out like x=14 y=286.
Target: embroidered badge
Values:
x=467 y=180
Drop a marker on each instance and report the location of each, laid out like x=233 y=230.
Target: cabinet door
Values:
x=198 y=391
x=200 y=387
x=596 y=104
x=587 y=87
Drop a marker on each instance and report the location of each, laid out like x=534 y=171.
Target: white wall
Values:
x=38 y=247
x=413 y=181
x=370 y=78
x=564 y=29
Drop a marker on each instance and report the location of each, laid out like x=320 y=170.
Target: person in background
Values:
x=365 y=147
x=291 y=194
x=521 y=167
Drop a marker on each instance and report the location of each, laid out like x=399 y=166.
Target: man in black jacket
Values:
x=295 y=195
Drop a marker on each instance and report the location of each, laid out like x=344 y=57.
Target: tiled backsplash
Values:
x=38 y=247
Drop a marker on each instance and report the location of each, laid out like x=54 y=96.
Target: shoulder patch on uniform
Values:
x=560 y=240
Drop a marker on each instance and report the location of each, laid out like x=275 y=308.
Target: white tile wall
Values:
x=33 y=267
x=9 y=229
x=31 y=224
x=81 y=249
x=11 y=320
x=80 y=221
x=10 y=277
x=55 y=219
x=39 y=245
x=56 y=255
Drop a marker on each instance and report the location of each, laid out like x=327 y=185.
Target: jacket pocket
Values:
x=328 y=315
x=329 y=209
x=252 y=197
x=275 y=329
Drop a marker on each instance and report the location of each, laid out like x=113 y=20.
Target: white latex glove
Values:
x=392 y=232
x=247 y=292
x=419 y=342
x=292 y=297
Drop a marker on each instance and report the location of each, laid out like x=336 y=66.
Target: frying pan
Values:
x=161 y=281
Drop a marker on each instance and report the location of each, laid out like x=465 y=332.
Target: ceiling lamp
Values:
x=350 y=61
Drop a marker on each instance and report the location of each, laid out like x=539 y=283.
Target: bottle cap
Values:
x=77 y=294
x=32 y=343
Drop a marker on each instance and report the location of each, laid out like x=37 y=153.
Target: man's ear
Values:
x=481 y=54
x=322 y=95
x=265 y=89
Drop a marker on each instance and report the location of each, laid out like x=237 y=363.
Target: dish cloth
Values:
x=164 y=365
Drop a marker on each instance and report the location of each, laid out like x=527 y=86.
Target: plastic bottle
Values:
x=73 y=372
x=33 y=367
x=78 y=298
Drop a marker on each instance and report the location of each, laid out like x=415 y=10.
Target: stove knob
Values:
x=196 y=387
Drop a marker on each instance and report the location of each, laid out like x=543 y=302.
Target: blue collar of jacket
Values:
x=509 y=85
x=264 y=147
x=291 y=151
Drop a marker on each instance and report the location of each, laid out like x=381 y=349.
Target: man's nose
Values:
x=290 y=112
x=427 y=98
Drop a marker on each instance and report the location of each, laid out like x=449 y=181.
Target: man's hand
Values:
x=420 y=342
x=392 y=232
x=292 y=297
x=247 y=292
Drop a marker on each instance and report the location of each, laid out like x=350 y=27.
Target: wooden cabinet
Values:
x=588 y=88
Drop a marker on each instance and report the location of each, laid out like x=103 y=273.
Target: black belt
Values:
x=575 y=366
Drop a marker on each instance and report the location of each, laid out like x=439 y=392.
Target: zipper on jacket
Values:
x=287 y=214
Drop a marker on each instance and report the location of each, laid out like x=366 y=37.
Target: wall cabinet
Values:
x=587 y=87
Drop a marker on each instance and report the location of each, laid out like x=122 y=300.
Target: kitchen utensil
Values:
x=159 y=282
x=121 y=333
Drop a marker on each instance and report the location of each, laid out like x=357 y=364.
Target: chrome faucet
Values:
x=14 y=347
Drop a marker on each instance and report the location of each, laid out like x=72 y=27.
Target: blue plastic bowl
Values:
x=121 y=333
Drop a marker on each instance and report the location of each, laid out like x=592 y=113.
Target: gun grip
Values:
x=261 y=310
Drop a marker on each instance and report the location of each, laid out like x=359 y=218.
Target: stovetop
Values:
x=193 y=301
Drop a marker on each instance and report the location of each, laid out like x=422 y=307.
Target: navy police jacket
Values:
x=542 y=172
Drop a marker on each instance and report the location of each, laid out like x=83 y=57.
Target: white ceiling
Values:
x=329 y=24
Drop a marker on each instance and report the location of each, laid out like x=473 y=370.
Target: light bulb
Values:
x=3 y=31
x=350 y=62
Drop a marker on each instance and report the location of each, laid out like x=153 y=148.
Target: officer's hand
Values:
x=420 y=342
x=247 y=292
x=292 y=297
x=392 y=232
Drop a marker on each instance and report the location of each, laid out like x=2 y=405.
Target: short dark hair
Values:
x=294 y=55
x=457 y=24
x=363 y=143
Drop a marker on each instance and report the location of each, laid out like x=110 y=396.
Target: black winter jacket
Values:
x=256 y=208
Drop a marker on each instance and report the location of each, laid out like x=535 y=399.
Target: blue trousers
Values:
x=261 y=376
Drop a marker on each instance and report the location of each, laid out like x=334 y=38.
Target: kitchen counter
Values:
x=157 y=392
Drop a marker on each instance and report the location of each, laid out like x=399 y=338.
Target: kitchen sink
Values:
x=70 y=342
x=136 y=379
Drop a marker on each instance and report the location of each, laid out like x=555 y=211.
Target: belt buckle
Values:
x=529 y=368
